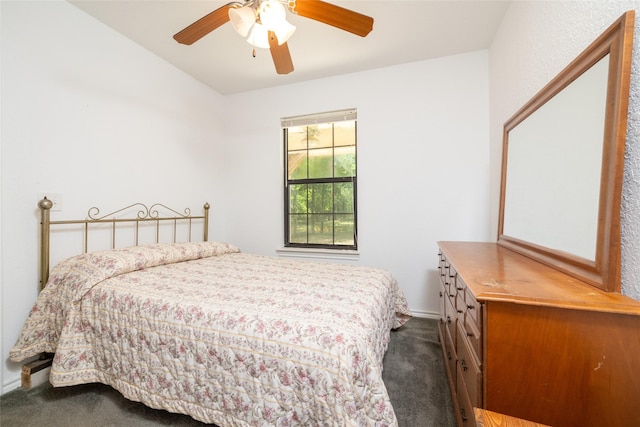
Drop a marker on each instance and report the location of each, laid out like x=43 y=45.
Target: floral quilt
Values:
x=228 y=338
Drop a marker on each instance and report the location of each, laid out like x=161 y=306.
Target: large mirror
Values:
x=562 y=164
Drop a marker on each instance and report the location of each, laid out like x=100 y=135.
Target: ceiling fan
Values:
x=264 y=24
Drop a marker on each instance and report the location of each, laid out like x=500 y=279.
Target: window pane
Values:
x=345 y=161
x=344 y=229
x=320 y=198
x=321 y=163
x=297 y=164
x=297 y=138
x=321 y=229
x=321 y=135
x=344 y=133
x=344 y=197
x=298 y=228
x=298 y=198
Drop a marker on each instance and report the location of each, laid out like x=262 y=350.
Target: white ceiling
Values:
x=403 y=31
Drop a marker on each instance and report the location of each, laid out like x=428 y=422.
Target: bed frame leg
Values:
x=36 y=372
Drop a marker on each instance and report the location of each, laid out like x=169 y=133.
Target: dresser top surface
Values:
x=495 y=273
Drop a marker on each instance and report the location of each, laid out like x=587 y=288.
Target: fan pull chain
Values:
x=254 y=52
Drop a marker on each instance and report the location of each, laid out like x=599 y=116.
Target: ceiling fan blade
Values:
x=203 y=26
x=280 y=54
x=336 y=16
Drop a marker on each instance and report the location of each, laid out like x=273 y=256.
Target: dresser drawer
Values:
x=474 y=337
x=442 y=323
x=450 y=355
x=464 y=403
x=450 y=316
x=473 y=309
x=460 y=285
x=443 y=305
x=443 y=269
x=452 y=277
x=461 y=307
x=469 y=368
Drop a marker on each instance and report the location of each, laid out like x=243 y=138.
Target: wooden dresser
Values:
x=525 y=340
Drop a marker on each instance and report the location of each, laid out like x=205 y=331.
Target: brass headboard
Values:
x=144 y=214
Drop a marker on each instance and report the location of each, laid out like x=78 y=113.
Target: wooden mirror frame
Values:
x=604 y=271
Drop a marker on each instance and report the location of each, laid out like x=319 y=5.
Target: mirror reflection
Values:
x=554 y=163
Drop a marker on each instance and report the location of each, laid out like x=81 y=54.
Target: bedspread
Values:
x=229 y=338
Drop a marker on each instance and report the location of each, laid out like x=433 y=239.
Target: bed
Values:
x=201 y=328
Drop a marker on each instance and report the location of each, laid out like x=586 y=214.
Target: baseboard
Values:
x=425 y=314
x=11 y=385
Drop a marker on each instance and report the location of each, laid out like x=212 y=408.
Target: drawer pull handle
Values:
x=460 y=288
x=441 y=294
x=448 y=319
x=471 y=307
x=463 y=414
x=460 y=311
x=449 y=355
x=469 y=334
x=463 y=364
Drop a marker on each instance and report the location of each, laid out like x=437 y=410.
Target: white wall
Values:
x=94 y=117
x=422 y=163
x=536 y=40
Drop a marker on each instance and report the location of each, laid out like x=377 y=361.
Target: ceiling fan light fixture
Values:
x=259 y=36
x=272 y=14
x=242 y=19
x=284 y=31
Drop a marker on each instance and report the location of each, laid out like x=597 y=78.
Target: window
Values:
x=320 y=180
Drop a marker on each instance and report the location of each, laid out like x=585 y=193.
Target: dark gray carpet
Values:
x=413 y=373
x=415 y=377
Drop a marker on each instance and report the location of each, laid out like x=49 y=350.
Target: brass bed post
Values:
x=45 y=206
x=205 y=236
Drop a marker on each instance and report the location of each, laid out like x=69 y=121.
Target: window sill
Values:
x=339 y=254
